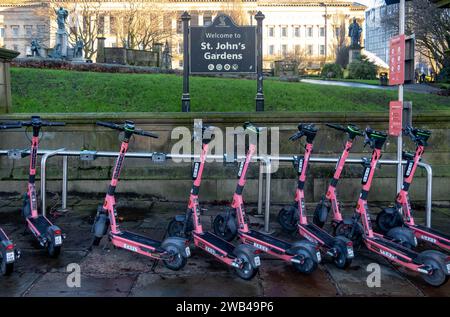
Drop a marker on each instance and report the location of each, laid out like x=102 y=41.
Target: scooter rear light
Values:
x=257 y=252
x=57 y=231
x=9 y=247
x=350 y=244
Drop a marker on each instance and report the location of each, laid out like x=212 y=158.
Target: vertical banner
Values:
x=397 y=60
x=395 y=118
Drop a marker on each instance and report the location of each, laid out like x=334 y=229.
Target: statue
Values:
x=166 y=57
x=354 y=32
x=56 y=53
x=78 y=49
x=61 y=16
x=35 y=48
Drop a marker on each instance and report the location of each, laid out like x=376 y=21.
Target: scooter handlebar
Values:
x=10 y=125
x=336 y=127
x=146 y=133
x=118 y=127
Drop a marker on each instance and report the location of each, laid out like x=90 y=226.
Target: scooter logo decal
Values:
x=130 y=247
x=448 y=268
x=409 y=169
x=241 y=168
x=33 y=157
x=300 y=164
x=366 y=175
x=210 y=250
x=427 y=238
x=261 y=247
x=195 y=171
x=388 y=254
x=119 y=166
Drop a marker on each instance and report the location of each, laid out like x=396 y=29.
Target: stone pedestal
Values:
x=100 y=49
x=354 y=54
x=5 y=79
x=62 y=43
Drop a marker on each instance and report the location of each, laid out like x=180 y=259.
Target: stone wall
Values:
x=172 y=181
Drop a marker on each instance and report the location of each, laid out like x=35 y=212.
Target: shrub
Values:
x=362 y=69
x=332 y=71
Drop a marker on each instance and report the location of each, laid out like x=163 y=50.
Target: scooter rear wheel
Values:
x=286 y=218
x=246 y=271
x=341 y=260
x=177 y=261
x=221 y=228
x=309 y=265
x=53 y=250
x=434 y=259
x=7 y=268
x=345 y=229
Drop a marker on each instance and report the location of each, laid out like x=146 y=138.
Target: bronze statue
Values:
x=35 y=48
x=354 y=32
x=61 y=16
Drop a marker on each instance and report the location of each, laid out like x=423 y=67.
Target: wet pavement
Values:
x=107 y=271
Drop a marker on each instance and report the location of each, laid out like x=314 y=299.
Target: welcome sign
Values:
x=222 y=47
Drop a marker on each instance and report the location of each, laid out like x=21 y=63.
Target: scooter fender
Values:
x=101 y=225
x=231 y=223
x=310 y=247
x=51 y=233
x=180 y=218
x=390 y=210
x=249 y=251
x=181 y=244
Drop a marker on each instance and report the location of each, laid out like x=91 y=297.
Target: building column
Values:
x=5 y=79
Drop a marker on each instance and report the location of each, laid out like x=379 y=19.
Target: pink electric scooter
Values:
x=173 y=251
x=303 y=254
x=330 y=200
x=294 y=217
x=433 y=266
x=392 y=217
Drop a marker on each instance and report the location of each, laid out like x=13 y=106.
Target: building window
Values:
x=15 y=30
x=207 y=20
x=271 y=49
x=180 y=48
x=112 y=25
x=284 y=50
x=271 y=31
x=28 y=30
x=310 y=50
x=180 y=63
x=297 y=31
x=310 y=31
x=297 y=49
x=284 y=31
x=101 y=25
x=179 y=27
x=322 y=31
x=41 y=30
x=337 y=32
x=322 y=50
x=2 y=32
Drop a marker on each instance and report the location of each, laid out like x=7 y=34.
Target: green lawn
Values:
x=43 y=90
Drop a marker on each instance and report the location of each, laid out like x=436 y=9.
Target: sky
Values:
x=370 y=3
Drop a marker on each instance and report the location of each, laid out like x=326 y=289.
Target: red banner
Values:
x=395 y=118
x=397 y=60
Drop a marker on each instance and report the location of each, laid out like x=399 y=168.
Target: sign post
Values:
x=185 y=98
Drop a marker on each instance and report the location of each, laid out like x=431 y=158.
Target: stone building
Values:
x=302 y=29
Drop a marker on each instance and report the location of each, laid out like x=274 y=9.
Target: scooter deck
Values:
x=268 y=239
x=139 y=239
x=40 y=223
x=218 y=242
x=326 y=238
x=395 y=246
x=432 y=231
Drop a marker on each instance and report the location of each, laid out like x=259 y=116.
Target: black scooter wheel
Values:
x=176 y=261
x=386 y=221
x=246 y=271
x=175 y=229
x=53 y=250
x=7 y=268
x=345 y=230
x=341 y=260
x=309 y=265
x=320 y=215
x=435 y=260
x=286 y=218
x=26 y=208
x=221 y=228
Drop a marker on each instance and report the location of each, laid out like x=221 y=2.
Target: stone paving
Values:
x=106 y=271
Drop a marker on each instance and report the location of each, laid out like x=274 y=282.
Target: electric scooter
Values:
x=391 y=217
x=330 y=201
x=8 y=251
x=47 y=234
x=173 y=251
x=433 y=266
x=294 y=217
x=243 y=258
x=303 y=254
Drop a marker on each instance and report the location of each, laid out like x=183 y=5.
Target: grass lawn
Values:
x=44 y=90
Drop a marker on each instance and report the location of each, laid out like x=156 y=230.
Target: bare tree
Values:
x=431 y=27
x=339 y=46
x=235 y=9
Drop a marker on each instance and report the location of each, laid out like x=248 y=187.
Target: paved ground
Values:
x=419 y=88
x=106 y=271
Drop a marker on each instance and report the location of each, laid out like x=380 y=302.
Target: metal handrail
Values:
x=265 y=165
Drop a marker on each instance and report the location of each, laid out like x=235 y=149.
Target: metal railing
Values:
x=264 y=169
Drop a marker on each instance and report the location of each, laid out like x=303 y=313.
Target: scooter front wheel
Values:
x=286 y=218
x=308 y=265
x=221 y=228
x=435 y=260
x=175 y=228
x=176 y=261
x=342 y=259
x=246 y=271
x=320 y=215
x=386 y=221
x=345 y=229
